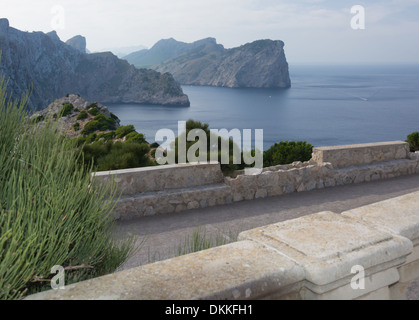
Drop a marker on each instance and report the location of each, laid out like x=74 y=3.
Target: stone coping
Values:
x=306 y=258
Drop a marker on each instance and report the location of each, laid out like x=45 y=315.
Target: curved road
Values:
x=163 y=236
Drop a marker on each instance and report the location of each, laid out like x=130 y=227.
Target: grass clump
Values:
x=50 y=213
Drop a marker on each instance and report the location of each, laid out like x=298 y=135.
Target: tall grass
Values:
x=50 y=214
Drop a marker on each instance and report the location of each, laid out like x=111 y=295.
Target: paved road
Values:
x=165 y=235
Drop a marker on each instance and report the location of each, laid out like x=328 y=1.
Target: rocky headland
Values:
x=260 y=64
x=50 y=68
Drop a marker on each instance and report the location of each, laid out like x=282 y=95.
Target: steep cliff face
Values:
x=260 y=64
x=78 y=42
x=50 y=68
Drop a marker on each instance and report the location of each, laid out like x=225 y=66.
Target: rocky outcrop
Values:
x=66 y=119
x=50 y=69
x=78 y=42
x=260 y=64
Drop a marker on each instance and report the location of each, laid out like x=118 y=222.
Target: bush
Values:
x=93 y=109
x=135 y=137
x=122 y=131
x=115 y=156
x=413 y=140
x=66 y=110
x=76 y=126
x=287 y=152
x=50 y=213
x=99 y=123
x=83 y=115
x=226 y=168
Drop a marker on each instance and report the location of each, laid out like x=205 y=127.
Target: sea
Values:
x=326 y=105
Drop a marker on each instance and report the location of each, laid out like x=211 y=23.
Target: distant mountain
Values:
x=51 y=69
x=121 y=52
x=260 y=64
x=78 y=42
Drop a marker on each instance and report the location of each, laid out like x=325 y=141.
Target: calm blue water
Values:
x=325 y=106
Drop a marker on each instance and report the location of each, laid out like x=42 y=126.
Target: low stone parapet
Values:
x=158 y=178
x=398 y=216
x=365 y=253
x=361 y=154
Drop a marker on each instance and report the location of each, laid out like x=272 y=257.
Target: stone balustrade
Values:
x=366 y=253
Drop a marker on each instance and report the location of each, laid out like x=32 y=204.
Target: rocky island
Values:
x=260 y=64
x=50 y=68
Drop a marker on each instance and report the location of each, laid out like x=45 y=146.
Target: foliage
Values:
x=135 y=137
x=99 y=123
x=67 y=109
x=122 y=131
x=76 y=126
x=94 y=111
x=50 y=213
x=83 y=115
x=232 y=152
x=287 y=152
x=117 y=155
x=413 y=140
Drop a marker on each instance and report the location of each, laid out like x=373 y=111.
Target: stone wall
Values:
x=321 y=256
x=361 y=154
x=171 y=189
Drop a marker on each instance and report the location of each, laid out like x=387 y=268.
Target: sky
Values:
x=314 y=31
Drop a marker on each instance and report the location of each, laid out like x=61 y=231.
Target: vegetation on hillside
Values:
x=50 y=213
x=413 y=140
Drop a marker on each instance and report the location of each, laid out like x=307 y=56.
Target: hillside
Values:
x=51 y=68
x=260 y=64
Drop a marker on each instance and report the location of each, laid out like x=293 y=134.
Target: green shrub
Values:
x=233 y=148
x=107 y=136
x=413 y=140
x=122 y=131
x=114 y=116
x=93 y=109
x=99 y=123
x=287 y=152
x=50 y=213
x=76 y=126
x=115 y=156
x=154 y=145
x=66 y=110
x=83 y=115
x=135 y=137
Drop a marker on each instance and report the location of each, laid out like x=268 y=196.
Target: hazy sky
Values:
x=313 y=30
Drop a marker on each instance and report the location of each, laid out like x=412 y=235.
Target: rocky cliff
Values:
x=50 y=68
x=260 y=64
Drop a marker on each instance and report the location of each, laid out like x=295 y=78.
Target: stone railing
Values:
x=366 y=253
x=170 y=189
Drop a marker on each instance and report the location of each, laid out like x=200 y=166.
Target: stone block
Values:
x=244 y=270
x=329 y=245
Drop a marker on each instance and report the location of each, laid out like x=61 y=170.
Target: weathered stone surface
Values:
x=243 y=270
x=354 y=155
x=399 y=215
x=328 y=245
